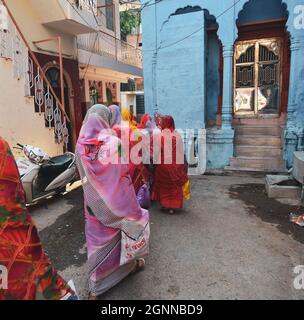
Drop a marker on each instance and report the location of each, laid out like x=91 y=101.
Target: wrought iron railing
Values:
x=106 y=45
x=88 y=5
x=130 y=86
x=14 y=47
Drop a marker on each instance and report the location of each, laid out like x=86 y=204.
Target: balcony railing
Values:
x=106 y=45
x=131 y=86
x=88 y=5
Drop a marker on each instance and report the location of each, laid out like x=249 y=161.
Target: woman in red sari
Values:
x=171 y=180
x=30 y=273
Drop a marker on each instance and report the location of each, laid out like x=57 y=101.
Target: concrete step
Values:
x=258 y=130
x=276 y=121
x=258 y=140
x=258 y=151
x=232 y=170
x=260 y=163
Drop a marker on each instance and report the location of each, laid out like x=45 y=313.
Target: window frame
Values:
x=109 y=12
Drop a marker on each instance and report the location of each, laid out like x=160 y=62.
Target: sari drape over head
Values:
x=115 y=115
x=111 y=206
x=171 y=174
x=31 y=276
x=128 y=117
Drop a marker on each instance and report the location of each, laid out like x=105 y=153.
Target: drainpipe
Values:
x=154 y=83
x=154 y=63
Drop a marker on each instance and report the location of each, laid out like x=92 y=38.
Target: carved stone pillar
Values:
x=295 y=114
x=227 y=87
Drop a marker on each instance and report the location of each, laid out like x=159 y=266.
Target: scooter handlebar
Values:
x=20 y=145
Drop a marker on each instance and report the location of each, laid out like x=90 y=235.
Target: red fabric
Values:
x=158 y=120
x=170 y=178
x=30 y=274
x=138 y=172
x=145 y=118
x=168 y=123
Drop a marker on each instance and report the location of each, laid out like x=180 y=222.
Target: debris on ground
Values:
x=297 y=219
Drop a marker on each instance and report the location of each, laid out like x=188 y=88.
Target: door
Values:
x=258 y=77
x=53 y=76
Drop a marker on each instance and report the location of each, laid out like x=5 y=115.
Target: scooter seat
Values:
x=64 y=160
x=56 y=166
x=50 y=171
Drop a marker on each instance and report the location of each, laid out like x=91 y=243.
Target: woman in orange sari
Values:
x=30 y=273
x=171 y=180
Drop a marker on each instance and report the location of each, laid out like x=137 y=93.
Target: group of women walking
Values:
x=117 y=193
x=112 y=182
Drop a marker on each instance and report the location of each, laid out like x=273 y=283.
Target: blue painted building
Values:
x=233 y=67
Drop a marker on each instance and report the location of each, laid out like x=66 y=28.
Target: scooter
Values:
x=42 y=176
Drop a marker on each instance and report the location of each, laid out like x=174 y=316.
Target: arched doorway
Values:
x=93 y=95
x=261 y=60
x=109 y=96
x=53 y=76
x=260 y=86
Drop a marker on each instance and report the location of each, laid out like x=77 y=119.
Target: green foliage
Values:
x=129 y=19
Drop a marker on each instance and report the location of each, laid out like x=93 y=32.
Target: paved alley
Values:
x=230 y=242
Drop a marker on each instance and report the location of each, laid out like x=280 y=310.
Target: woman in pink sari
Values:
x=115 y=115
x=110 y=203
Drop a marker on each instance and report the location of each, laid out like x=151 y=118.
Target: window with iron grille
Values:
x=140 y=104
x=129 y=86
x=110 y=14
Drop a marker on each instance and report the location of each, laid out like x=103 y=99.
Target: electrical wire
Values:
x=198 y=30
x=98 y=31
x=148 y=4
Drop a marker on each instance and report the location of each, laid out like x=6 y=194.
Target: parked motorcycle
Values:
x=43 y=176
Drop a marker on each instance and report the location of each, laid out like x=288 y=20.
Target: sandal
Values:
x=140 y=264
x=91 y=297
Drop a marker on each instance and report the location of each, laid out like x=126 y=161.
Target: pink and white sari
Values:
x=110 y=203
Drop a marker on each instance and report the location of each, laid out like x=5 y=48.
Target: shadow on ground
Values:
x=268 y=210
x=64 y=239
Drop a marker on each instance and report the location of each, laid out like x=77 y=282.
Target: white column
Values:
x=227 y=87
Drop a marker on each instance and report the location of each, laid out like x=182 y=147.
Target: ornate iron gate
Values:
x=258 y=76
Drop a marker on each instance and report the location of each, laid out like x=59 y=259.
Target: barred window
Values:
x=110 y=14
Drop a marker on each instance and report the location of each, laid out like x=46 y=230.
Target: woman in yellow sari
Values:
x=127 y=116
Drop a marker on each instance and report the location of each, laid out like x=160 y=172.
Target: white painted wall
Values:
x=127 y=100
x=29 y=16
x=18 y=120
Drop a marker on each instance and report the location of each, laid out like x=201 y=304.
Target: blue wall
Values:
x=177 y=79
x=213 y=79
x=180 y=70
